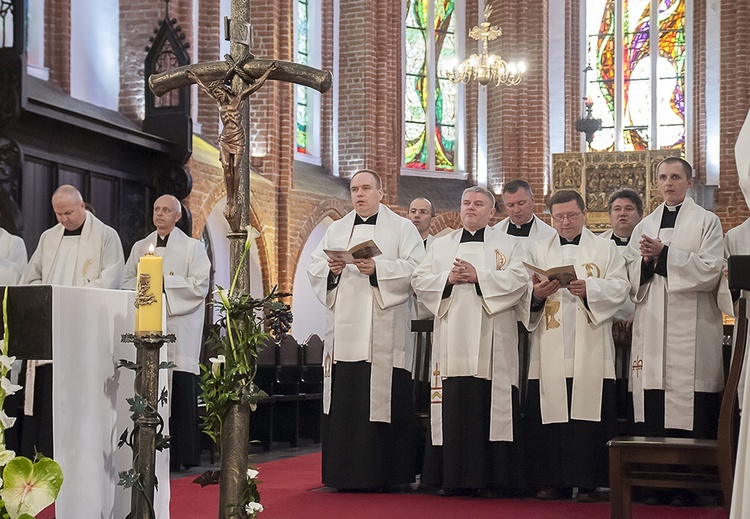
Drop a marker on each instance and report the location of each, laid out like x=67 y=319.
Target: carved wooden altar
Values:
x=597 y=175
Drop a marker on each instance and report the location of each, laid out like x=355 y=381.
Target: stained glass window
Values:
x=430 y=97
x=302 y=56
x=641 y=102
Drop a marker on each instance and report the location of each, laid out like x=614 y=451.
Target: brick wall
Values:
x=573 y=68
x=518 y=116
x=735 y=102
x=57 y=42
x=210 y=31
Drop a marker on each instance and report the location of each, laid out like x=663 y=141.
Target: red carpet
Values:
x=287 y=493
x=291 y=489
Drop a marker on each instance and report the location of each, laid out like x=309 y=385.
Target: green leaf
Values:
x=124 y=363
x=30 y=487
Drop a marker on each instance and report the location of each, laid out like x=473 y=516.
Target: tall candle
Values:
x=148 y=298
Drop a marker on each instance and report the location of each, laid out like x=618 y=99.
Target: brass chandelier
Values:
x=487 y=68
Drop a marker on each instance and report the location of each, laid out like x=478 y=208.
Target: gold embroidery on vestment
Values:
x=499 y=260
x=590 y=270
x=550 y=310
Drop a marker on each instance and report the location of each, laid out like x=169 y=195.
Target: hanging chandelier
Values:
x=487 y=68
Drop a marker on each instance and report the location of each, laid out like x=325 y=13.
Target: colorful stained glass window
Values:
x=430 y=97
x=641 y=102
x=302 y=56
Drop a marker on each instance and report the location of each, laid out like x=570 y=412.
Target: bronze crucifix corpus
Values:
x=219 y=75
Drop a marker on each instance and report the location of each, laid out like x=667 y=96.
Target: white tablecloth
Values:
x=90 y=412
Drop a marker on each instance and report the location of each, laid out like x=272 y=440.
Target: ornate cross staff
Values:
x=247 y=75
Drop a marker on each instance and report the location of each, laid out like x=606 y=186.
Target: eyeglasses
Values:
x=423 y=212
x=560 y=218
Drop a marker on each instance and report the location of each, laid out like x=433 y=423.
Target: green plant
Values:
x=241 y=335
x=27 y=487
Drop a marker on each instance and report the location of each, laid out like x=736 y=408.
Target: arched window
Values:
x=638 y=94
x=430 y=98
x=307 y=101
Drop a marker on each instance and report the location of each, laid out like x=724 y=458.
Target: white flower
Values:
x=9 y=387
x=252 y=473
x=253 y=508
x=6 y=361
x=216 y=363
x=223 y=297
x=252 y=234
x=5 y=457
x=6 y=421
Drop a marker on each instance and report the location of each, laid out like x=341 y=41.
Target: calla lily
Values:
x=252 y=234
x=6 y=456
x=223 y=297
x=252 y=473
x=6 y=361
x=6 y=421
x=9 y=387
x=216 y=363
x=30 y=487
x=253 y=508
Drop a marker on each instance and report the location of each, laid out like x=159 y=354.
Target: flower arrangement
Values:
x=26 y=487
x=243 y=321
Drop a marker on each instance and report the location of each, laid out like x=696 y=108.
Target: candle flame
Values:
x=151 y=250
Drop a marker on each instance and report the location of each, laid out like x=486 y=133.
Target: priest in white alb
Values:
x=570 y=413
x=741 y=489
x=474 y=282
x=521 y=221
x=368 y=424
x=675 y=261
x=79 y=251
x=187 y=271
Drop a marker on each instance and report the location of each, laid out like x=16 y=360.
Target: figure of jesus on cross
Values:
x=232 y=143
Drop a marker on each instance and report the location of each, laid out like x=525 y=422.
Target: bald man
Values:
x=79 y=251
x=186 y=279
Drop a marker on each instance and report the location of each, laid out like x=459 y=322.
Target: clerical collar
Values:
x=520 y=230
x=620 y=242
x=370 y=220
x=161 y=242
x=424 y=242
x=574 y=241
x=669 y=216
x=74 y=232
x=467 y=236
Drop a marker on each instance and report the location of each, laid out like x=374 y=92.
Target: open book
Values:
x=564 y=274
x=364 y=250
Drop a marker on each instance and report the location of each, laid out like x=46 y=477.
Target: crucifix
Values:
x=230 y=83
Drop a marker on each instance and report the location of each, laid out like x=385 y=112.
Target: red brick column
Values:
x=735 y=102
x=57 y=42
x=518 y=117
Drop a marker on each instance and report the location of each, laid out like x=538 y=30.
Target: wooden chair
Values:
x=703 y=464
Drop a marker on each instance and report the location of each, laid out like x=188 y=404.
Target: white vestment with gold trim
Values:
x=573 y=339
x=474 y=335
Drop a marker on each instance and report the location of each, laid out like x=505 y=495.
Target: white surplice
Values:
x=539 y=231
x=628 y=307
x=366 y=323
x=476 y=335
x=677 y=328
x=94 y=259
x=187 y=270
x=13 y=258
x=571 y=339
x=418 y=310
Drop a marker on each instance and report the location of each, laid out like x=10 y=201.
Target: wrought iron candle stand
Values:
x=146 y=437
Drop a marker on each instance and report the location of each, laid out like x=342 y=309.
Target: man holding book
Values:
x=474 y=282
x=368 y=424
x=570 y=412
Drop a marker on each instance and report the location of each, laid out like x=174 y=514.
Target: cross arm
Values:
x=287 y=71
